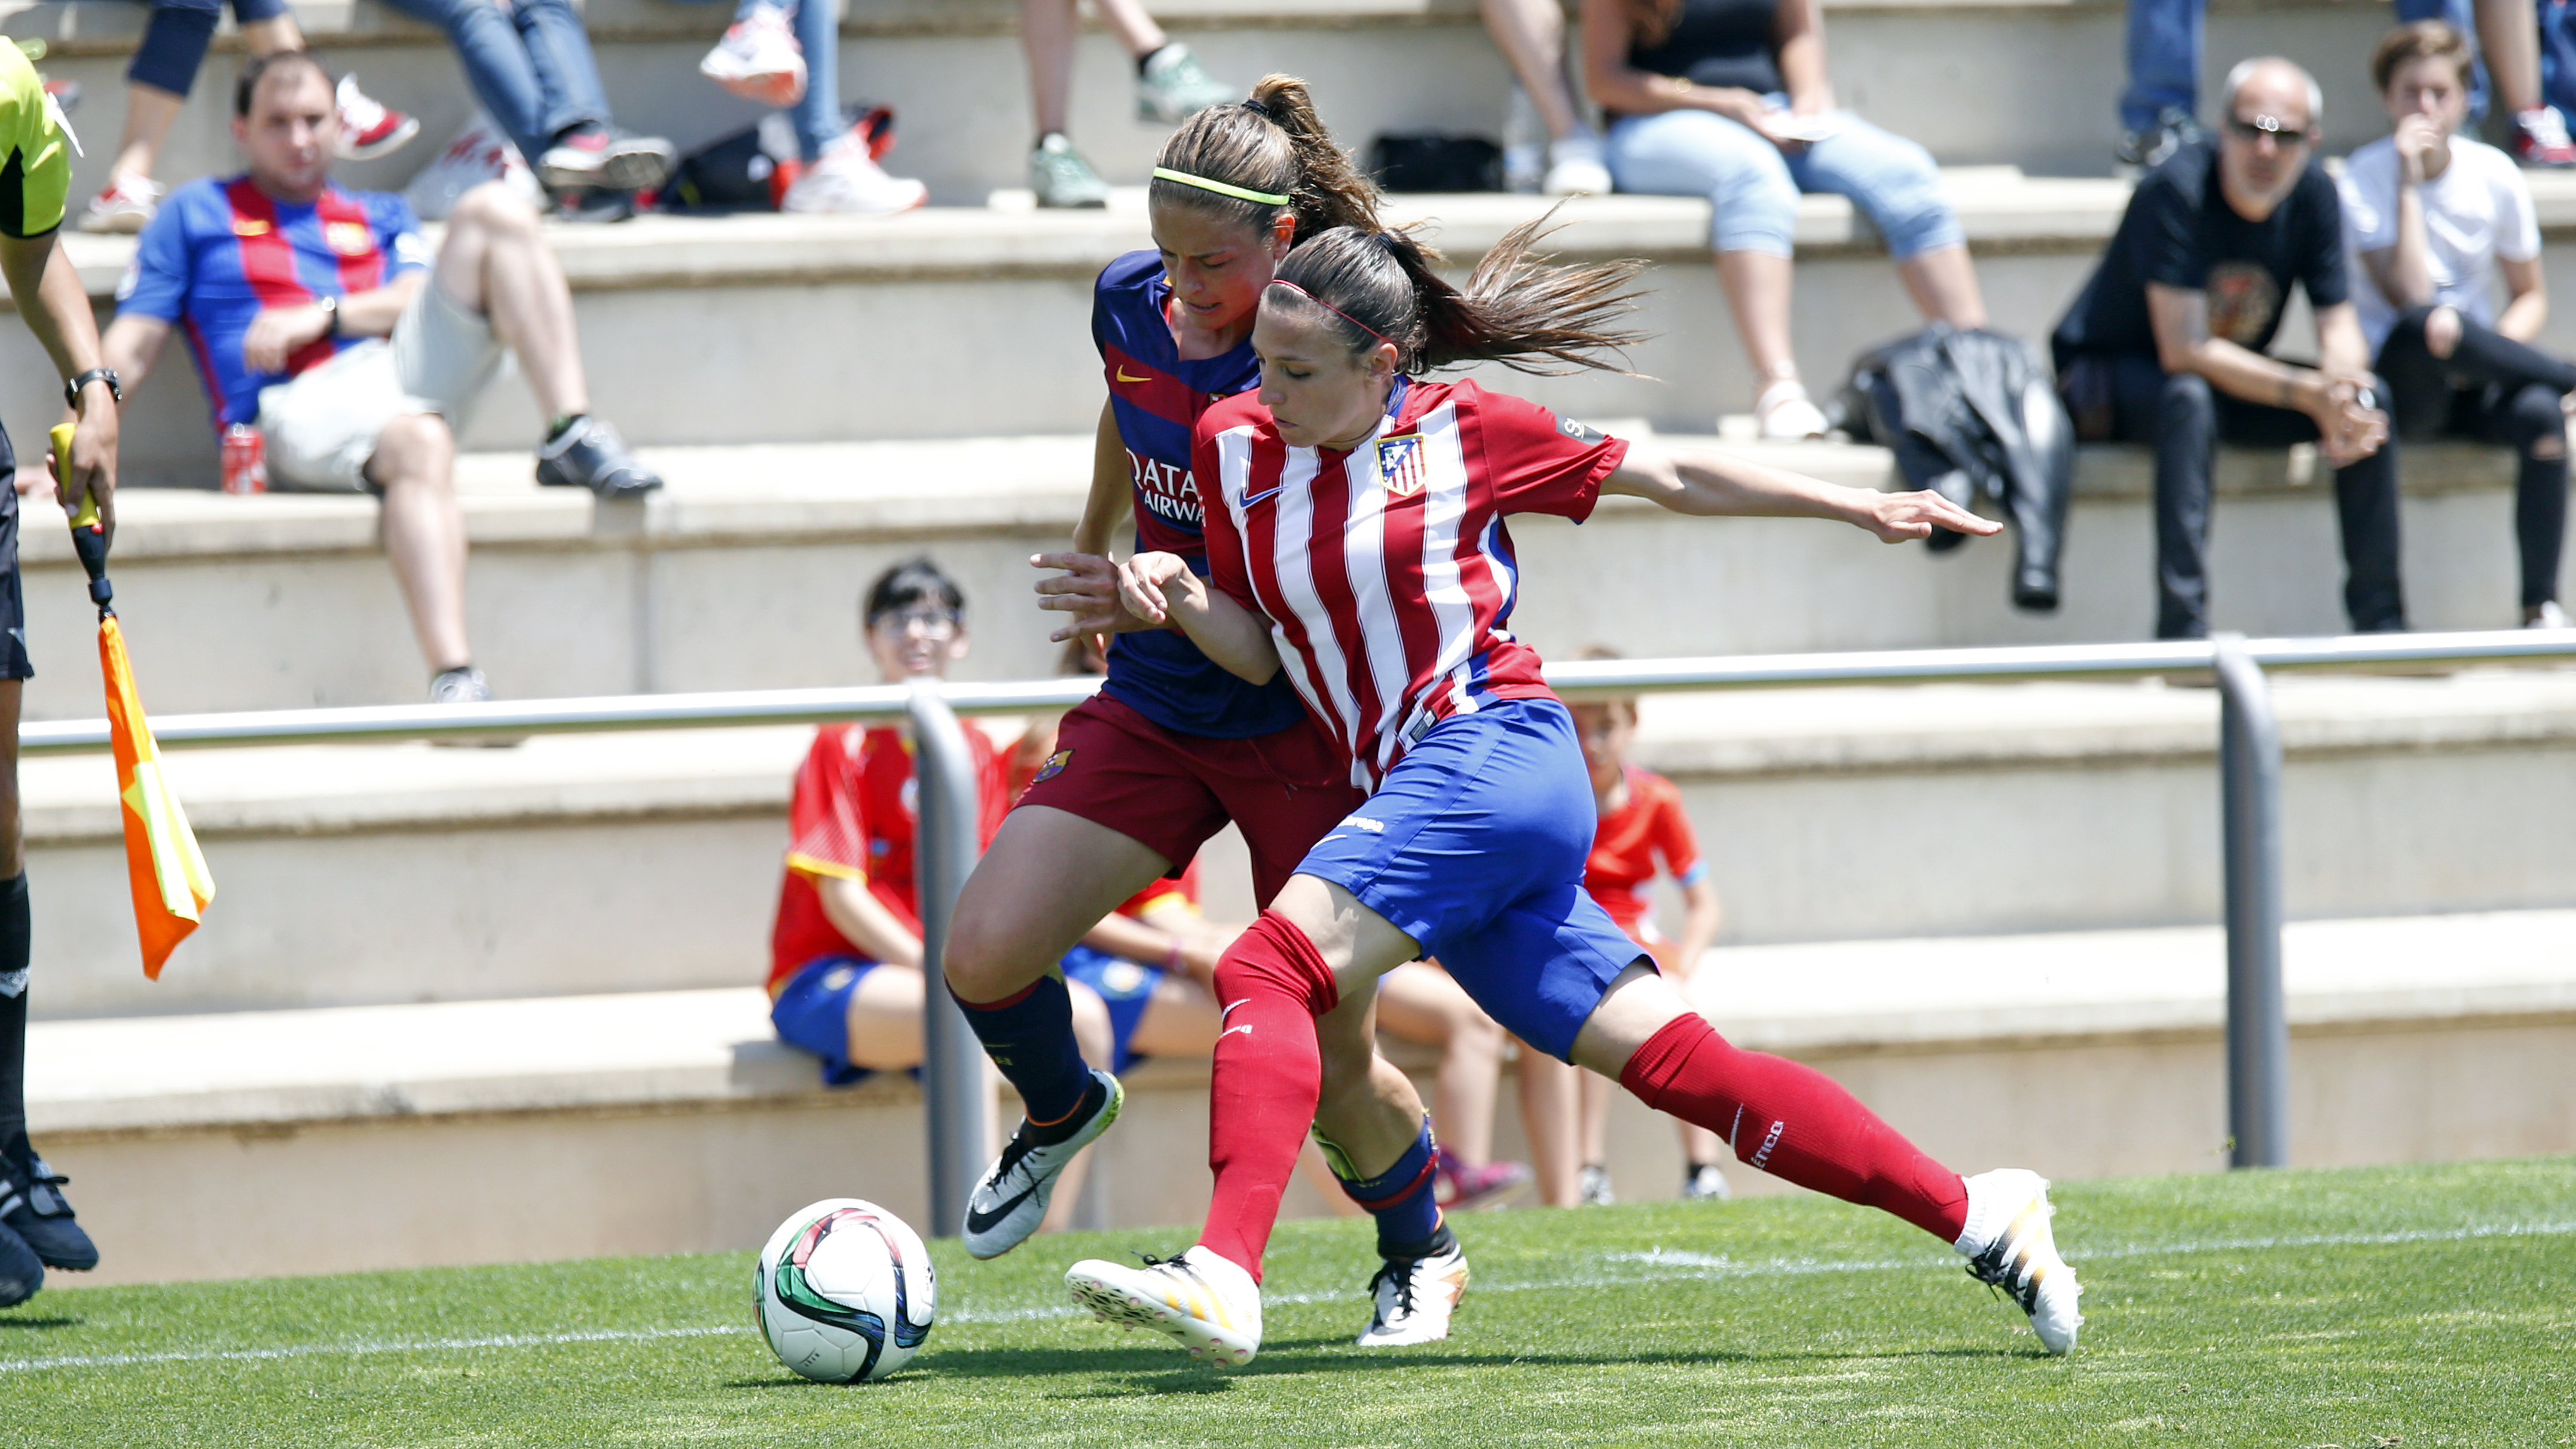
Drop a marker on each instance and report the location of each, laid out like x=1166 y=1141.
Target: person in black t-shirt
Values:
x=2167 y=343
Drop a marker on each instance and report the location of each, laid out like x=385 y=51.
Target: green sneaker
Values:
x=1060 y=177
x=1173 y=87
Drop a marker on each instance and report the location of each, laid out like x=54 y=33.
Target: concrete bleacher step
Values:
x=788 y=329
x=592 y=865
x=2044 y=73
x=745 y=572
x=398 y=1136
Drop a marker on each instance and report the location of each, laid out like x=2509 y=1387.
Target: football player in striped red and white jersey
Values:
x=1174 y=745
x=1356 y=540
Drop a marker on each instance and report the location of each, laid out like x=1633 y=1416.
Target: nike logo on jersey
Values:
x=1250 y=499
x=1123 y=377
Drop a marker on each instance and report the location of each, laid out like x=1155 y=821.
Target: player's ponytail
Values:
x=1385 y=286
x=1252 y=160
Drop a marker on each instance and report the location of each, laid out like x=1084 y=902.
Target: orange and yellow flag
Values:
x=171 y=886
x=162 y=864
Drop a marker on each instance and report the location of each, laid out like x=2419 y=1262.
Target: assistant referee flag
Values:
x=162 y=863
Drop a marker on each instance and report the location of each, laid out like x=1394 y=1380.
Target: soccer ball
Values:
x=845 y=1291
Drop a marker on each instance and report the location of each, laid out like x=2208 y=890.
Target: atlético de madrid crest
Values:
x=1399 y=464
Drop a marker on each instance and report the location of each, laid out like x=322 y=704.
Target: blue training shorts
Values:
x=1474 y=846
x=812 y=1013
x=1127 y=987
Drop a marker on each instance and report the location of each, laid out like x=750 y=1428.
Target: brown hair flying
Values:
x=1531 y=318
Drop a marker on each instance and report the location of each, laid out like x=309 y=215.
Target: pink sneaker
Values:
x=369 y=128
x=759 y=59
x=1463 y=1189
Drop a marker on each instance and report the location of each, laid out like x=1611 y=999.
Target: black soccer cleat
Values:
x=591 y=455
x=33 y=1209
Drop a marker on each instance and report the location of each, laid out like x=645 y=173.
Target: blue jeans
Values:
x=1753 y=185
x=2164 y=61
x=818 y=117
x=175 y=39
x=531 y=66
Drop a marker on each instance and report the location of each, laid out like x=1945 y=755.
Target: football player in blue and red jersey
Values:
x=1174 y=746
x=1356 y=544
x=322 y=318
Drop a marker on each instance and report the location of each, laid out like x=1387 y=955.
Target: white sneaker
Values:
x=1415 y=1298
x=2008 y=1243
x=1704 y=1183
x=1784 y=414
x=1011 y=1201
x=126 y=206
x=1592 y=1186
x=368 y=127
x=1574 y=165
x=1210 y=1305
x=849 y=182
x=759 y=59
x=2551 y=617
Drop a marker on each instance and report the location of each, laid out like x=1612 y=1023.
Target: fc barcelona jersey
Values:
x=1156 y=397
x=221 y=251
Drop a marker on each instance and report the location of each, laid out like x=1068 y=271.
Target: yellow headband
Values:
x=1239 y=193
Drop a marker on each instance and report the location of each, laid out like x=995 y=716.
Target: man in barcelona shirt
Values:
x=322 y=318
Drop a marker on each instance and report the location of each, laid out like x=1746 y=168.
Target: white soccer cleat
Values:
x=1011 y=1201
x=1208 y=1304
x=2008 y=1243
x=1415 y=1299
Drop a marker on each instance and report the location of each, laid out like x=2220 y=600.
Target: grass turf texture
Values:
x=2421 y=1305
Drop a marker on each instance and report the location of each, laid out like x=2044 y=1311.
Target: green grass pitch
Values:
x=2418 y=1306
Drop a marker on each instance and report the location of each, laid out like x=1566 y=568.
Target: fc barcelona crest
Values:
x=1399 y=465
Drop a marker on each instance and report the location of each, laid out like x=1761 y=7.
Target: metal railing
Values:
x=952 y=1076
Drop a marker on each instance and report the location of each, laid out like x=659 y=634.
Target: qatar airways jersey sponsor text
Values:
x=1166 y=490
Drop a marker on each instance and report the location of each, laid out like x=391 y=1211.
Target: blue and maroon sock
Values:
x=1409 y=1224
x=1029 y=1036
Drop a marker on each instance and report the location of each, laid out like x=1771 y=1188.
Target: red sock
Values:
x=1267 y=1075
x=1796 y=1123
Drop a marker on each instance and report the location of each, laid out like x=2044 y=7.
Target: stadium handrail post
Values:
x=955 y=1099
x=2258 y=1029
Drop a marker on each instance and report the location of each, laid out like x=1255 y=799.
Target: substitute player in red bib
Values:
x=1175 y=746
x=1356 y=542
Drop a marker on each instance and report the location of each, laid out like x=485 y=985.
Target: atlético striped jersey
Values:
x=1386 y=572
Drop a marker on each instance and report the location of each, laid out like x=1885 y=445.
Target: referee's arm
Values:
x=34 y=183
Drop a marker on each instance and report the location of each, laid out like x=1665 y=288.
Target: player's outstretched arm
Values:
x=61 y=321
x=1706 y=483
x=1160 y=589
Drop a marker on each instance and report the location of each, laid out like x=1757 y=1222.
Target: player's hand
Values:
x=1087 y=588
x=1151 y=585
x=2418 y=140
x=1898 y=517
x=278 y=331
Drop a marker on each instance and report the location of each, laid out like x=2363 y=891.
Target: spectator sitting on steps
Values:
x=788 y=57
x=321 y=316
x=2167 y=344
x=2434 y=218
x=1171 y=87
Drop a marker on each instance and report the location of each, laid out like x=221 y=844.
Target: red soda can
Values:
x=245 y=460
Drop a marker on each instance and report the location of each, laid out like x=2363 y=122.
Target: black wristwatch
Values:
x=72 y=389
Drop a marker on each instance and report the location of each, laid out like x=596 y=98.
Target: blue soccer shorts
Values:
x=1125 y=987
x=812 y=1013
x=1474 y=846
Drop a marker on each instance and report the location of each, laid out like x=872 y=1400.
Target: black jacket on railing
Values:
x=1973 y=413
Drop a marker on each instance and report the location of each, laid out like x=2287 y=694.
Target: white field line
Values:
x=1692 y=1267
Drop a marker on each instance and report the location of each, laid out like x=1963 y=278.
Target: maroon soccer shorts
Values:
x=1170 y=792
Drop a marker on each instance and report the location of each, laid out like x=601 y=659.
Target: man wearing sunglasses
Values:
x=2168 y=343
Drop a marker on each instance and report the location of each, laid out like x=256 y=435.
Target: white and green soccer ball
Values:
x=845 y=1292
